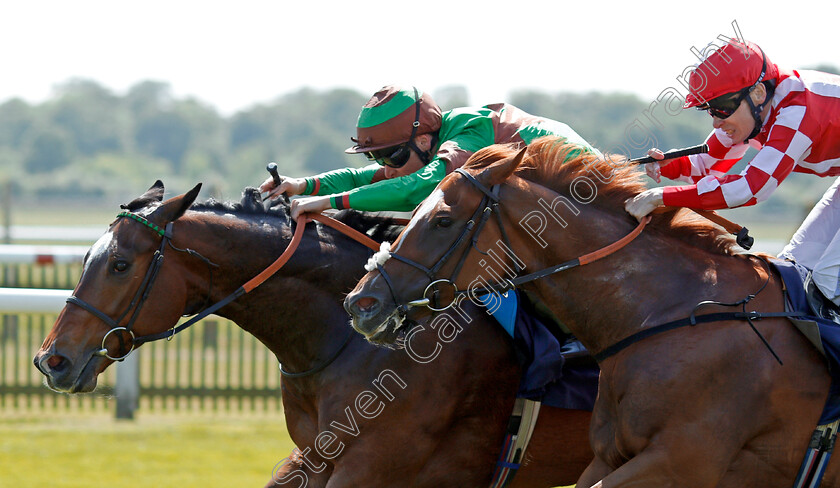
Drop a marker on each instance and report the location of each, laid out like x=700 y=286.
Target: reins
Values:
x=296 y=238
x=490 y=203
x=148 y=280
x=741 y=233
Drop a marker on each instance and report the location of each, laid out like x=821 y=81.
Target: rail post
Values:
x=7 y=211
x=127 y=387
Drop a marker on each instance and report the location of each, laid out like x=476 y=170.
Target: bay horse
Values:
x=701 y=406
x=360 y=415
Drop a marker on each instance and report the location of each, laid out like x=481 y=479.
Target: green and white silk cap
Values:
x=388 y=118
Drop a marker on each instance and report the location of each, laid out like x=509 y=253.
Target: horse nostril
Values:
x=53 y=363
x=366 y=304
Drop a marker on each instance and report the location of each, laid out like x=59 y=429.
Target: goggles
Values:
x=724 y=106
x=393 y=157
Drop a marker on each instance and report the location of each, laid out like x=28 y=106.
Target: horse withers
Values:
x=701 y=406
x=360 y=415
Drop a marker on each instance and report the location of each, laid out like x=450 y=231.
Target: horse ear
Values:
x=176 y=206
x=501 y=170
x=152 y=195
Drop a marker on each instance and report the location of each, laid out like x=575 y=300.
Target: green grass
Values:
x=164 y=451
x=169 y=451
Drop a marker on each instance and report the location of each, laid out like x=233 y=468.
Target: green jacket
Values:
x=463 y=131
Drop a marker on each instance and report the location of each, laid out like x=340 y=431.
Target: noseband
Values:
x=140 y=296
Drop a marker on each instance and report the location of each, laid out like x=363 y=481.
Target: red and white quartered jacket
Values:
x=801 y=133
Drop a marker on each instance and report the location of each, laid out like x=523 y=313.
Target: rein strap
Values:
x=615 y=246
x=740 y=232
x=580 y=261
x=344 y=229
x=257 y=281
x=298 y=236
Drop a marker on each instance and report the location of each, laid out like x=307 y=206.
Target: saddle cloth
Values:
x=557 y=369
x=822 y=332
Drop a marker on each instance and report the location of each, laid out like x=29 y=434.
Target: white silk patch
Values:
x=379 y=257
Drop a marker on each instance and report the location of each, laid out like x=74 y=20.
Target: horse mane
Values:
x=555 y=164
x=377 y=227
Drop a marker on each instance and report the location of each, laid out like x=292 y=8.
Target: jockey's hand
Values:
x=653 y=169
x=644 y=203
x=287 y=186
x=309 y=205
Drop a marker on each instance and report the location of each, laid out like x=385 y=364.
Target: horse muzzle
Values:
x=367 y=312
x=66 y=376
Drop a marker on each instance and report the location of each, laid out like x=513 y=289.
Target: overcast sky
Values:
x=238 y=53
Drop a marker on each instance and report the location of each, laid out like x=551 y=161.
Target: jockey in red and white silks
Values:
x=792 y=117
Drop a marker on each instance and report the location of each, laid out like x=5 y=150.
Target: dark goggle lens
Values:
x=719 y=112
x=724 y=106
x=394 y=157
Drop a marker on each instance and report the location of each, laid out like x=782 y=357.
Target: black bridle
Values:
x=142 y=294
x=489 y=205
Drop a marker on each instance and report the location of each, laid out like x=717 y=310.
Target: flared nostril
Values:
x=56 y=363
x=366 y=304
x=52 y=364
x=361 y=305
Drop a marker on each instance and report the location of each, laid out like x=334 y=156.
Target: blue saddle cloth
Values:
x=556 y=372
x=823 y=333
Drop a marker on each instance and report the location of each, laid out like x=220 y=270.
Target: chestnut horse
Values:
x=702 y=406
x=361 y=415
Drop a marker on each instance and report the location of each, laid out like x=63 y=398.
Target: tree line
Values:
x=88 y=142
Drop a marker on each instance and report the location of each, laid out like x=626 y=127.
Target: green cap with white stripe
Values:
x=389 y=117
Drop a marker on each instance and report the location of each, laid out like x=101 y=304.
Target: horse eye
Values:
x=120 y=266
x=444 y=222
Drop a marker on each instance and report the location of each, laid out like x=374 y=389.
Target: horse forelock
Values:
x=555 y=164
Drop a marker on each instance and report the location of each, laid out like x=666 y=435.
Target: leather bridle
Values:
x=143 y=291
x=490 y=204
x=142 y=294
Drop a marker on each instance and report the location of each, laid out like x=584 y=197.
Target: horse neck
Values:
x=654 y=279
x=297 y=313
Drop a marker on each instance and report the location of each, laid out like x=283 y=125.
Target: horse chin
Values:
x=392 y=337
x=389 y=333
x=78 y=386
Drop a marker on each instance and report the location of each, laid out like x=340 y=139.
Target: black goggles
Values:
x=393 y=157
x=724 y=106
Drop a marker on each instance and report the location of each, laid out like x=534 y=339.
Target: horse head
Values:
x=121 y=272
x=429 y=260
